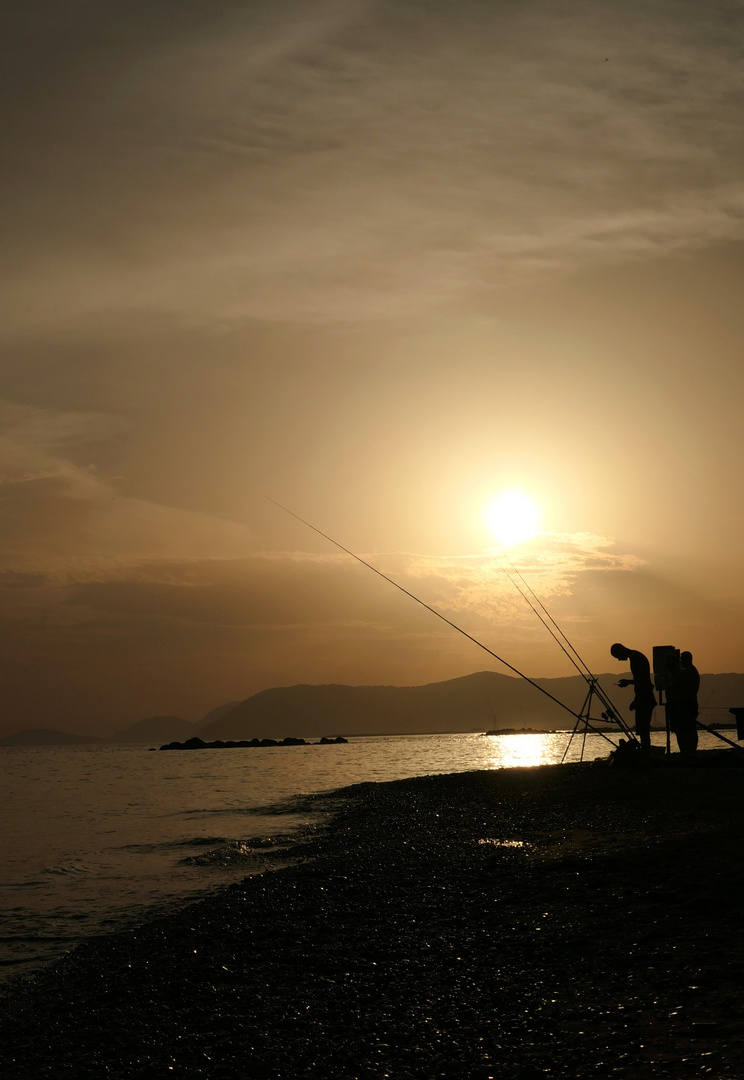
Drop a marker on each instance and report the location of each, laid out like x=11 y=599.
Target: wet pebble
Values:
x=401 y=947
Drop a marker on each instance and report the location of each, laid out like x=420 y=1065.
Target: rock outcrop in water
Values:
x=196 y=743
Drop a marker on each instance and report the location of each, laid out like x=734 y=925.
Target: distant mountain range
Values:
x=485 y=700
x=152 y=729
x=46 y=737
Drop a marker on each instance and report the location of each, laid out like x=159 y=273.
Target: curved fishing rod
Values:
x=542 y=620
x=573 y=654
x=428 y=607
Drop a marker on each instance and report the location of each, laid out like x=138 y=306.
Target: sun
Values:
x=512 y=518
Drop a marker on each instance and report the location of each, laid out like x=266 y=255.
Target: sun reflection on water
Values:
x=525 y=750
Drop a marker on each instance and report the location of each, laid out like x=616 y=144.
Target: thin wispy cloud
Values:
x=489 y=586
x=36 y=445
x=59 y=513
x=308 y=163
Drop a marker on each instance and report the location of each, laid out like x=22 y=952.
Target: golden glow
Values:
x=524 y=751
x=512 y=518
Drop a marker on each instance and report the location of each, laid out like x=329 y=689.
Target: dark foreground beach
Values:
x=564 y=921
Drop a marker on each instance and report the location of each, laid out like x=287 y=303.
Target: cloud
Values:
x=181 y=634
x=550 y=566
x=35 y=445
x=332 y=162
x=19 y=579
x=58 y=512
x=294 y=589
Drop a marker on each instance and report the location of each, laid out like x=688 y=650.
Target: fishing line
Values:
x=577 y=661
x=428 y=607
x=573 y=654
x=542 y=620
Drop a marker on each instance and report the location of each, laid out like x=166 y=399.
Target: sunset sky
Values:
x=378 y=261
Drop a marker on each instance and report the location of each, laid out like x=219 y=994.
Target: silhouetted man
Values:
x=644 y=702
x=682 y=703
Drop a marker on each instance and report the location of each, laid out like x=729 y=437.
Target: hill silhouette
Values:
x=485 y=700
x=475 y=702
x=152 y=729
x=47 y=737
x=156 y=729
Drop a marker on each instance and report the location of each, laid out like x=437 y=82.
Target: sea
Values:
x=99 y=838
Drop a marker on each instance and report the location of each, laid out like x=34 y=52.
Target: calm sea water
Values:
x=97 y=838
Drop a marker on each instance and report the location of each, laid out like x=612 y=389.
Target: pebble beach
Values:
x=568 y=920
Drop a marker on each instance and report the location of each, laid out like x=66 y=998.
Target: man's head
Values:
x=619 y=651
x=686 y=658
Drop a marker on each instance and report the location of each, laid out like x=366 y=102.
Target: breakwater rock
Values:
x=196 y=743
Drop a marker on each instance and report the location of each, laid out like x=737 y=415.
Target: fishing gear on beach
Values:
x=661 y=657
x=610 y=714
x=583 y=717
x=578 y=716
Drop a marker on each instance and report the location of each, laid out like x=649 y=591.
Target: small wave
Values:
x=293 y=804
x=296 y=804
x=229 y=854
x=201 y=841
x=34 y=939
x=25 y=883
x=16 y=963
x=67 y=868
x=168 y=845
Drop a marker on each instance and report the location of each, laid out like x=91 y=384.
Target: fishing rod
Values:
x=611 y=712
x=718 y=735
x=542 y=620
x=567 y=648
x=584 y=716
x=576 y=659
x=428 y=607
x=715 y=731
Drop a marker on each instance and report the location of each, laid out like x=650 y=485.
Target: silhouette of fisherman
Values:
x=644 y=702
x=682 y=703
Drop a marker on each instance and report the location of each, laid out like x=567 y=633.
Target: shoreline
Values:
x=562 y=920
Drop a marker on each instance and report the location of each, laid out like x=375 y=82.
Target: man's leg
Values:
x=687 y=740
x=643 y=729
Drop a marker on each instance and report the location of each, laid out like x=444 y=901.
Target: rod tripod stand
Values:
x=585 y=720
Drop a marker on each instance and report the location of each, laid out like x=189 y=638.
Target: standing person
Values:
x=682 y=703
x=644 y=702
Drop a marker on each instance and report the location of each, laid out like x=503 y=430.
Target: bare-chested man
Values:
x=644 y=702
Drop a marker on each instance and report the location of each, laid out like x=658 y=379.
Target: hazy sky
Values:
x=378 y=261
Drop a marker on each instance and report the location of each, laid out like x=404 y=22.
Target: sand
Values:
x=564 y=921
